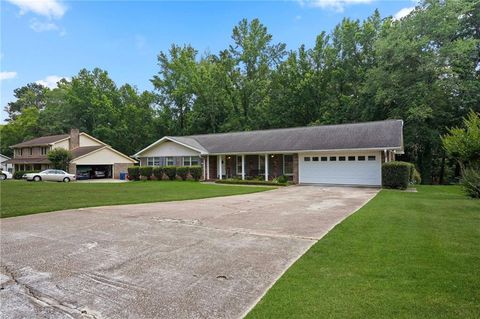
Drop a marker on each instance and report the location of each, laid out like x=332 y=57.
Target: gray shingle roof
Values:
x=368 y=135
x=44 y=140
x=80 y=151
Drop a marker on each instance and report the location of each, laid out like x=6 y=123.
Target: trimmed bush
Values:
x=19 y=174
x=158 y=172
x=249 y=182
x=196 y=172
x=146 y=171
x=282 y=179
x=134 y=173
x=396 y=175
x=182 y=171
x=171 y=172
x=471 y=182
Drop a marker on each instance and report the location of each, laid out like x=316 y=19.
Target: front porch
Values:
x=251 y=166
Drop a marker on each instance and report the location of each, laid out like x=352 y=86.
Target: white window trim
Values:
x=189 y=160
x=239 y=172
x=167 y=162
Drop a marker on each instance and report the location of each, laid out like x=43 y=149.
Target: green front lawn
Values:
x=23 y=198
x=403 y=255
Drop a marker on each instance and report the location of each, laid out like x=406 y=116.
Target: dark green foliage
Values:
x=249 y=182
x=396 y=175
x=196 y=172
x=471 y=182
x=282 y=179
x=171 y=172
x=182 y=171
x=60 y=158
x=146 y=171
x=134 y=173
x=19 y=174
x=158 y=172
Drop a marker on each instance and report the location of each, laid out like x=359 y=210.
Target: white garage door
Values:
x=341 y=169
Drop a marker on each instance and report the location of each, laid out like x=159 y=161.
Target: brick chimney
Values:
x=74 y=138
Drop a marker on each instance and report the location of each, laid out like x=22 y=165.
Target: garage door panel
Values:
x=340 y=172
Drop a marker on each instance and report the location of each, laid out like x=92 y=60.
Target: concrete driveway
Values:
x=210 y=258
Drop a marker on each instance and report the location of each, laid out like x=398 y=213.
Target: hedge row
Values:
x=164 y=172
x=399 y=175
x=250 y=182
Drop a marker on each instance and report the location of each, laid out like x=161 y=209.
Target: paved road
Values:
x=209 y=258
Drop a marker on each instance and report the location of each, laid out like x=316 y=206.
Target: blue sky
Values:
x=45 y=40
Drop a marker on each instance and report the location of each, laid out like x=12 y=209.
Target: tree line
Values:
x=423 y=68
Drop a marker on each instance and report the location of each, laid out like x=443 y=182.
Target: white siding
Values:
x=103 y=157
x=169 y=149
x=63 y=144
x=87 y=141
x=367 y=172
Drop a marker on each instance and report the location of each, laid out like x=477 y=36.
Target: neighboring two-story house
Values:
x=89 y=154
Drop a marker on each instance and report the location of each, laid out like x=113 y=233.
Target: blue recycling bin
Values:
x=123 y=176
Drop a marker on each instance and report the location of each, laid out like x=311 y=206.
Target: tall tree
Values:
x=174 y=83
x=255 y=56
x=30 y=95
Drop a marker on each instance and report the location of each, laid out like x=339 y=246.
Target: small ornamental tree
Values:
x=60 y=158
x=463 y=144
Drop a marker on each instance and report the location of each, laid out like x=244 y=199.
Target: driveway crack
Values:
x=45 y=301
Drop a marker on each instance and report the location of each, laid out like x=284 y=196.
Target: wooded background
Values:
x=424 y=69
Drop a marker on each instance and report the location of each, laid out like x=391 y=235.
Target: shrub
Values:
x=396 y=175
x=19 y=174
x=171 y=172
x=415 y=177
x=471 y=182
x=196 y=172
x=282 y=179
x=134 y=173
x=158 y=172
x=146 y=171
x=182 y=171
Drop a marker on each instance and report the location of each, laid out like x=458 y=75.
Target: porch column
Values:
x=208 y=167
x=266 y=167
x=220 y=173
x=243 y=167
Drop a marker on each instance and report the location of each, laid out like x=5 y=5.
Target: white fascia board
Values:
x=168 y=138
x=310 y=151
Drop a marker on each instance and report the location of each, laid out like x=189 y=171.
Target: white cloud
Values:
x=8 y=75
x=51 y=81
x=47 y=8
x=403 y=13
x=39 y=26
x=337 y=5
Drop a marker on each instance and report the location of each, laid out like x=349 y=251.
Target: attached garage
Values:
x=340 y=168
x=100 y=161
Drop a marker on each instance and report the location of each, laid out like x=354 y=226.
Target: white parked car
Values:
x=55 y=175
x=5 y=175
